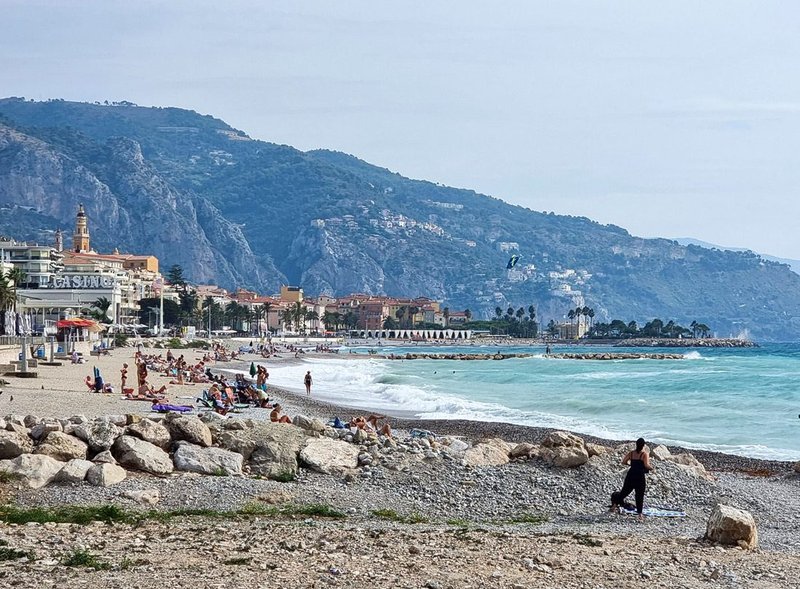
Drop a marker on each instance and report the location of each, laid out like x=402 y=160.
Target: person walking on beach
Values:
x=639 y=462
x=307 y=381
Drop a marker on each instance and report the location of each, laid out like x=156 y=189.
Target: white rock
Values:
x=99 y=433
x=728 y=525
x=661 y=452
x=104 y=456
x=62 y=446
x=150 y=431
x=213 y=461
x=597 y=449
x=40 y=430
x=13 y=444
x=34 y=470
x=329 y=456
x=73 y=471
x=483 y=454
x=135 y=453
x=105 y=474
x=190 y=429
x=145 y=496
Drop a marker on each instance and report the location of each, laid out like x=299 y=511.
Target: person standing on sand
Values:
x=639 y=462
x=307 y=381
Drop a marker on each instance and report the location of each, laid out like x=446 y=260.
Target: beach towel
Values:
x=654 y=512
x=166 y=408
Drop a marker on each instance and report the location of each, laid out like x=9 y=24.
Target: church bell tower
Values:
x=80 y=239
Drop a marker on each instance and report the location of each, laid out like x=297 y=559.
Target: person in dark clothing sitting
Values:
x=639 y=461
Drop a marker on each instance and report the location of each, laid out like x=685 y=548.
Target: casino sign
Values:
x=88 y=281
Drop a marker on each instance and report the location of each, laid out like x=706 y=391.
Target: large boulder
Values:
x=40 y=430
x=597 y=449
x=150 y=431
x=728 y=525
x=486 y=454
x=524 y=450
x=74 y=471
x=564 y=450
x=13 y=444
x=214 y=461
x=271 y=449
x=62 y=447
x=329 y=456
x=34 y=470
x=135 y=453
x=309 y=423
x=99 y=433
x=660 y=452
x=105 y=474
x=189 y=429
x=797 y=467
x=690 y=464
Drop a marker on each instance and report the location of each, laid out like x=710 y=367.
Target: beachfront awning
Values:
x=79 y=323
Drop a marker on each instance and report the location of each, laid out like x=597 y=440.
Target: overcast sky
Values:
x=673 y=119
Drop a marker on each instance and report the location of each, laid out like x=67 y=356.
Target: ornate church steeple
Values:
x=80 y=239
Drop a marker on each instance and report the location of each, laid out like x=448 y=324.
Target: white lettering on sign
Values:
x=93 y=281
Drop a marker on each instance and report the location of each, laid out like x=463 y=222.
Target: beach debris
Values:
x=728 y=525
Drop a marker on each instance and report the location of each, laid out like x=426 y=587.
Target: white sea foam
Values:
x=724 y=412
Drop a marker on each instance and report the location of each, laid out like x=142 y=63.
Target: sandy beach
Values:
x=573 y=542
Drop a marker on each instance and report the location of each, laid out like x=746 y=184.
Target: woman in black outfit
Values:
x=634 y=480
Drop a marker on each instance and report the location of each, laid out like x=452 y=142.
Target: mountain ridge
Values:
x=259 y=214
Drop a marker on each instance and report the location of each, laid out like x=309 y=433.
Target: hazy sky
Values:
x=670 y=119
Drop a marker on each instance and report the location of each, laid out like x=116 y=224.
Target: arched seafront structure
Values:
x=413 y=334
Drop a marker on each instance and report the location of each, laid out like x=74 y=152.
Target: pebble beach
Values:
x=444 y=524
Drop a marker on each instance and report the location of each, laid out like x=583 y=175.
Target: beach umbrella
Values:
x=252 y=369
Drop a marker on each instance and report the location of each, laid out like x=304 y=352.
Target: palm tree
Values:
x=532 y=312
x=299 y=314
x=102 y=305
x=498 y=311
x=520 y=314
x=7 y=293
x=267 y=306
x=412 y=313
x=510 y=313
x=313 y=315
x=468 y=314
x=591 y=318
x=286 y=317
x=446 y=313
x=257 y=313
x=571 y=315
x=400 y=314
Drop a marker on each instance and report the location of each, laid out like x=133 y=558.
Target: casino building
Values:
x=73 y=280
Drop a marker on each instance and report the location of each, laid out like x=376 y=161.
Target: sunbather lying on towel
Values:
x=370 y=424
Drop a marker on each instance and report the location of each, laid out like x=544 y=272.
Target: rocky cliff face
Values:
x=130 y=207
x=193 y=191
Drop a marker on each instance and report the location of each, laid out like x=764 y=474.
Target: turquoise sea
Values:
x=742 y=401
